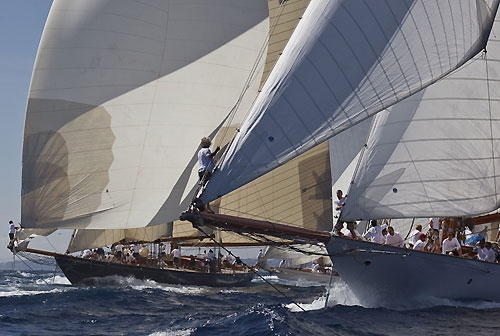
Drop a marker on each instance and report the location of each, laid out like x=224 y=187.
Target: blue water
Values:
x=37 y=303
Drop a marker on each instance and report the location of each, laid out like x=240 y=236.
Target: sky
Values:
x=21 y=26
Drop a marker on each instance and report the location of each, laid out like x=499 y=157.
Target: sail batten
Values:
x=345 y=62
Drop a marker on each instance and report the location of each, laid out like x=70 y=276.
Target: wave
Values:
x=274 y=279
x=137 y=284
x=180 y=332
x=11 y=292
x=59 y=280
x=340 y=294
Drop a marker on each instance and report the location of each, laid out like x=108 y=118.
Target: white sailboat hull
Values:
x=380 y=275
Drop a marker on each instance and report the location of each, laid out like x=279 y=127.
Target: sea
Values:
x=45 y=303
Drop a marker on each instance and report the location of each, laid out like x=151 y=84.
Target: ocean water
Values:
x=41 y=303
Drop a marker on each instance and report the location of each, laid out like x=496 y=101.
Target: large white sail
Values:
x=345 y=149
x=347 y=60
x=122 y=91
x=436 y=153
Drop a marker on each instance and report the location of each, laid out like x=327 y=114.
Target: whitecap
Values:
x=180 y=332
x=139 y=285
x=21 y=292
x=59 y=280
x=340 y=294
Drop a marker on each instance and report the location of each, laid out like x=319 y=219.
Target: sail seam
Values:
x=491 y=128
x=408 y=46
x=148 y=124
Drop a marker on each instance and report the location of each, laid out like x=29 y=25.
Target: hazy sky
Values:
x=21 y=25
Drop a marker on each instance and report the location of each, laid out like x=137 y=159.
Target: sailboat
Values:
x=115 y=113
x=120 y=96
x=346 y=62
x=292 y=257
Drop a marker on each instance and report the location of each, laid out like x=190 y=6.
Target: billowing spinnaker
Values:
x=122 y=91
x=347 y=60
x=437 y=152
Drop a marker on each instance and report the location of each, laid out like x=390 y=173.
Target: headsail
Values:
x=121 y=93
x=436 y=153
x=346 y=61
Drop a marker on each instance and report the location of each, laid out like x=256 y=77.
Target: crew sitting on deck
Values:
x=451 y=246
x=420 y=244
x=415 y=236
x=374 y=234
x=87 y=254
x=237 y=263
x=485 y=252
x=284 y=263
x=129 y=259
x=491 y=256
x=393 y=238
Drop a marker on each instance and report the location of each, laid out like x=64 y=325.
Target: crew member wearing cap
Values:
x=206 y=159
x=420 y=243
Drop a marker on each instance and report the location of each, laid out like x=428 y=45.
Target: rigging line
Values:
x=358 y=164
x=251 y=268
x=251 y=75
x=409 y=230
x=47 y=238
x=491 y=125
x=18 y=256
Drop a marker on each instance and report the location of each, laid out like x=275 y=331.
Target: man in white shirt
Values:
x=491 y=256
x=374 y=234
x=136 y=248
x=86 y=254
x=12 y=230
x=420 y=243
x=434 y=223
x=393 y=238
x=415 y=235
x=481 y=250
x=451 y=246
x=177 y=256
x=283 y=263
x=206 y=159
x=339 y=204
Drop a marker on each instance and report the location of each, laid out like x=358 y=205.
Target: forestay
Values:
x=122 y=91
x=436 y=153
x=347 y=60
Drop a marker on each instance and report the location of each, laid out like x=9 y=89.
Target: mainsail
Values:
x=122 y=92
x=348 y=60
x=283 y=18
x=437 y=152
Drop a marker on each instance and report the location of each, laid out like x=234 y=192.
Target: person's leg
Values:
x=350 y=227
x=339 y=226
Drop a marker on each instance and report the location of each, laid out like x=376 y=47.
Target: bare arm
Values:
x=211 y=155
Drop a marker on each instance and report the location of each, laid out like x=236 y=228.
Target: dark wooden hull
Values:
x=90 y=272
